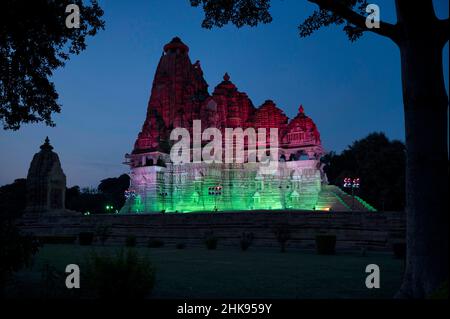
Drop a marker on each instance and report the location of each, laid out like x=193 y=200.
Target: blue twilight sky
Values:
x=349 y=89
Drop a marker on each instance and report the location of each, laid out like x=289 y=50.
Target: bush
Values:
x=86 y=238
x=210 y=240
x=130 y=241
x=103 y=232
x=126 y=275
x=16 y=251
x=441 y=292
x=53 y=282
x=326 y=244
x=246 y=241
x=155 y=243
x=180 y=246
x=399 y=250
x=282 y=234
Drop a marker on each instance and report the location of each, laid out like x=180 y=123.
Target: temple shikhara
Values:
x=179 y=96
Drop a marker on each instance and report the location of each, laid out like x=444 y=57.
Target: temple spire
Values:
x=46 y=146
x=176 y=45
x=301 y=110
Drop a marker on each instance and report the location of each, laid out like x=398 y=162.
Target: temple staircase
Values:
x=333 y=198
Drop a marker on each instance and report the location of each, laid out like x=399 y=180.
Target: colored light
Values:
x=208 y=194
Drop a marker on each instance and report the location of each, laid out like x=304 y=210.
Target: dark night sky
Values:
x=349 y=89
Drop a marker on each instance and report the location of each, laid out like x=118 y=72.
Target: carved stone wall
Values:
x=187 y=187
x=372 y=230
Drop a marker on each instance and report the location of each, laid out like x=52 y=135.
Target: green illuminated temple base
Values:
x=187 y=187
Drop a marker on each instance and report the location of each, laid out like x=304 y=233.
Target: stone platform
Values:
x=354 y=230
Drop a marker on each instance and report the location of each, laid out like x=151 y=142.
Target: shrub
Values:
x=86 y=238
x=282 y=234
x=180 y=246
x=52 y=281
x=399 y=250
x=16 y=251
x=326 y=244
x=441 y=292
x=155 y=243
x=210 y=240
x=103 y=232
x=125 y=275
x=130 y=241
x=246 y=241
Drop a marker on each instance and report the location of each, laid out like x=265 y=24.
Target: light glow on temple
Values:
x=180 y=99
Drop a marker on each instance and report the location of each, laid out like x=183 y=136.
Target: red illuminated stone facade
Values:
x=180 y=95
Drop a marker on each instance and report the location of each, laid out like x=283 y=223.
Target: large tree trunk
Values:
x=425 y=106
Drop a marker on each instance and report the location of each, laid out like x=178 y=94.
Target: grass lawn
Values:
x=231 y=273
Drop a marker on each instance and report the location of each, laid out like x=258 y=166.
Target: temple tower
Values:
x=179 y=96
x=46 y=182
x=178 y=92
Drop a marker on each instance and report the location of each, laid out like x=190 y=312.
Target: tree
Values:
x=420 y=37
x=34 y=42
x=110 y=193
x=13 y=199
x=379 y=162
x=114 y=190
x=85 y=201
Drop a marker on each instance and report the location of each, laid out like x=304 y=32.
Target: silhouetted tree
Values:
x=379 y=162
x=421 y=37
x=34 y=41
x=110 y=192
x=72 y=192
x=13 y=199
x=85 y=200
x=114 y=189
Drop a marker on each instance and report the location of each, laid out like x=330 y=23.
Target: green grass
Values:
x=231 y=273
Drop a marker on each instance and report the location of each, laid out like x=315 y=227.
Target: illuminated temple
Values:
x=179 y=96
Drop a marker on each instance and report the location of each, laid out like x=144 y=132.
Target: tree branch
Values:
x=443 y=30
x=338 y=8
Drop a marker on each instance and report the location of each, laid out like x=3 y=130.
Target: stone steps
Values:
x=335 y=199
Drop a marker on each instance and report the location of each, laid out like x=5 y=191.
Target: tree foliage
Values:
x=13 y=199
x=323 y=18
x=380 y=163
x=110 y=192
x=347 y=13
x=239 y=12
x=34 y=42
